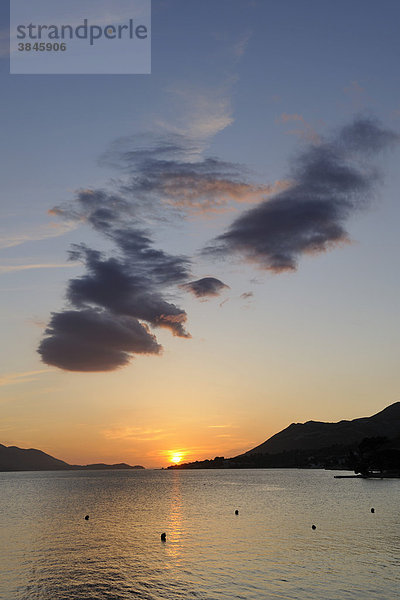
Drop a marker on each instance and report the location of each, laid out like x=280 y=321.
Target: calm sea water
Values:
x=268 y=551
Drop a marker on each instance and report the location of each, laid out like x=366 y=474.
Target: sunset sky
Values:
x=213 y=249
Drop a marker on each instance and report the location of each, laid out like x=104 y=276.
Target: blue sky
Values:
x=255 y=83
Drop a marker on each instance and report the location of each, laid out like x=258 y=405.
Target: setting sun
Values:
x=176 y=457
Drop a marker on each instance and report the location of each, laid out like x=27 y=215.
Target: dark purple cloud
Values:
x=332 y=181
x=94 y=340
x=128 y=288
x=206 y=287
x=123 y=292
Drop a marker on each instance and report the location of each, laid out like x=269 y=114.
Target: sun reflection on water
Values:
x=174 y=547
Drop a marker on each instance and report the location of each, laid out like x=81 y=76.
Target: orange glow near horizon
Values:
x=176 y=456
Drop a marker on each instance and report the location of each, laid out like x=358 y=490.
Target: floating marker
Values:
x=87 y=518
x=236 y=512
x=313 y=527
x=163 y=537
x=372 y=510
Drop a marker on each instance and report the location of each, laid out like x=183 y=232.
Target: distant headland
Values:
x=369 y=445
x=20 y=459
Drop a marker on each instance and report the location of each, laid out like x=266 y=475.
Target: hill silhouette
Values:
x=317 y=434
x=318 y=444
x=13 y=458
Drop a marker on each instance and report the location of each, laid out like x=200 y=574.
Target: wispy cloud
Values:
x=161 y=170
x=22 y=377
x=239 y=47
x=213 y=193
x=203 y=113
x=15 y=268
x=306 y=131
x=42 y=232
x=134 y=434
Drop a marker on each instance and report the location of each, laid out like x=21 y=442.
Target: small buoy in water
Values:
x=313 y=527
x=236 y=512
x=372 y=510
x=87 y=518
x=163 y=537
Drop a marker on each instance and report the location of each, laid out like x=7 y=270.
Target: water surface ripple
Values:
x=269 y=551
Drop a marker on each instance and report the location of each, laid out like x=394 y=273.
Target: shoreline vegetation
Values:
x=373 y=458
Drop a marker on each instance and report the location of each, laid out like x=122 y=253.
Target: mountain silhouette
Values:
x=323 y=445
x=20 y=459
x=313 y=435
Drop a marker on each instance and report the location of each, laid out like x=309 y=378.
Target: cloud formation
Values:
x=164 y=171
x=127 y=289
x=111 y=306
x=127 y=292
x=332 y=181
x=94 y=340
x=207 y=287
x=117 y=286
x=306 y=131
